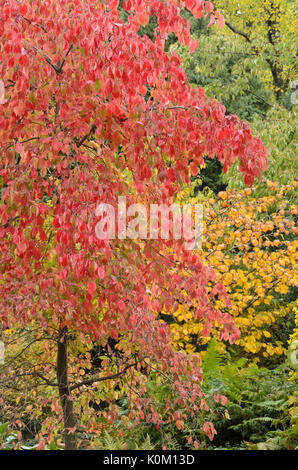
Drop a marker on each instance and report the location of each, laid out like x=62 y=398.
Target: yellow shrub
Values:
x=252 y=246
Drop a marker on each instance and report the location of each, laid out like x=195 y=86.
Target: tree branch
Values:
x=93 y=128
x=35 y=24
x=33 y=374
x=237 y=31
x=58 y=67
x=101 y=379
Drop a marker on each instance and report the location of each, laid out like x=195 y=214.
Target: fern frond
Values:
x=146 y=445
x=213 y=360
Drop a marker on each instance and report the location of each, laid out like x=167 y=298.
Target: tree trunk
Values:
x=273 y=33
x=64 y=392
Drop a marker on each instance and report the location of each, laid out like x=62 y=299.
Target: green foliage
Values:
x=211 y=176
x=8 y=438
x=261 y=411
x=227 y=73
x=279 y=134
x=258 y=401
x=112 y=441
x=267 y=30
x=238 y=78
x=213 y=360
x=231 y=71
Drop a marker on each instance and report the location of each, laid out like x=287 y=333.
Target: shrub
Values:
x=250 y=242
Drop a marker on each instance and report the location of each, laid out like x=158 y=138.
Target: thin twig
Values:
x=101 y=379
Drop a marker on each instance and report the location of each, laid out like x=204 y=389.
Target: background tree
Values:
x=230 y=69
x=251 y=243
x=267 y=28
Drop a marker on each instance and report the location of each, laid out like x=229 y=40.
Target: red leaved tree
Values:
x=90 y=110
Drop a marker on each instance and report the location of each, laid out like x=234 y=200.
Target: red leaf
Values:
x=194 y=168
x=193 y=45
x=2 y=92
x=212 y=21
x=23 y=9
x=220 y=19
x=101 y=272
x=4 y=217
x=209 y=7
x=223 y=400
x=24 y=60
x=91 y=288
x=19 y=148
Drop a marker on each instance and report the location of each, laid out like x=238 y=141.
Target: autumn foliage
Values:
x=251 y=243
x=85 y=102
